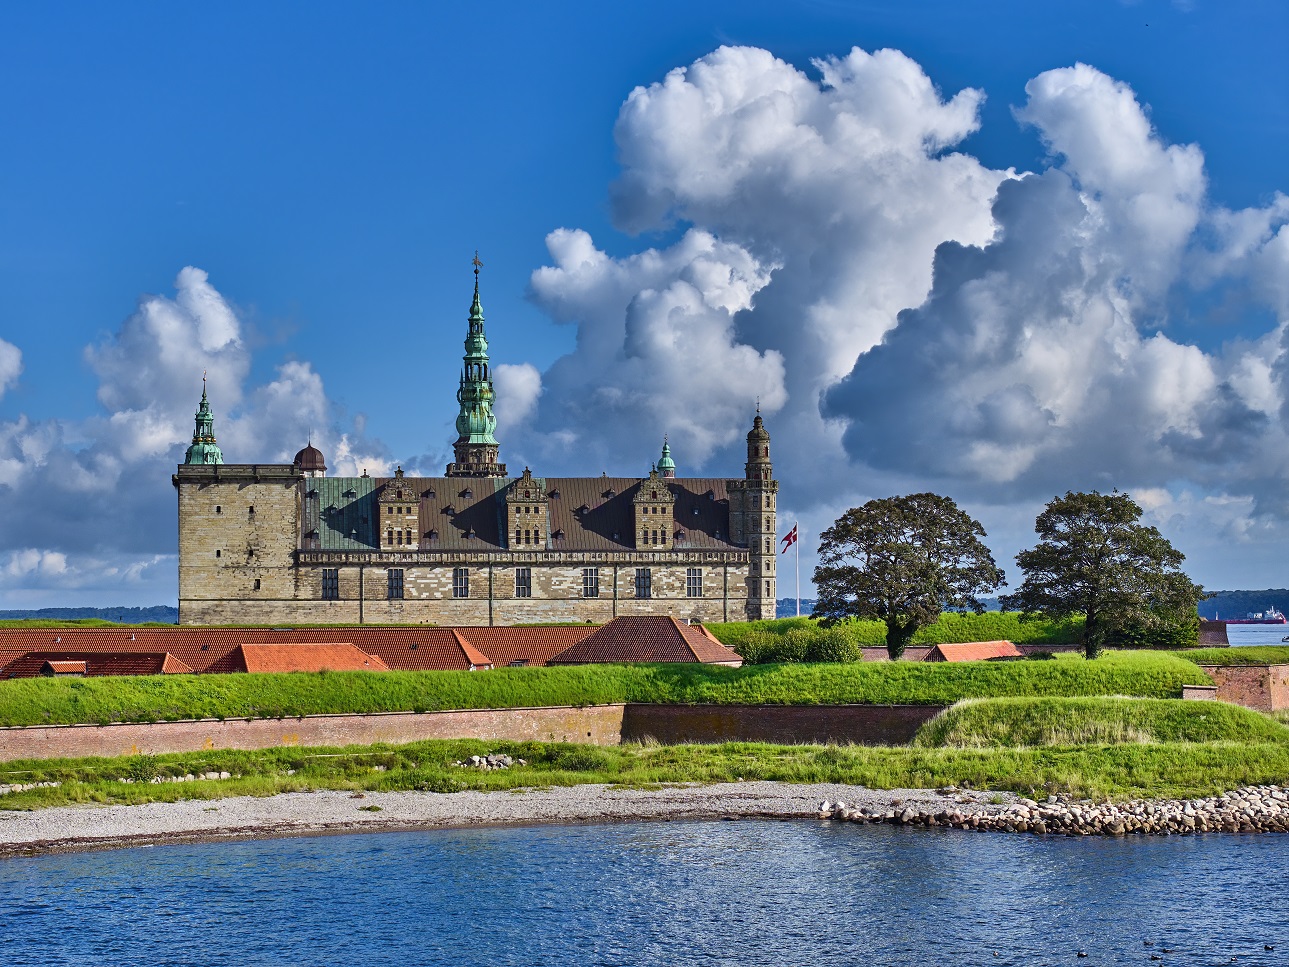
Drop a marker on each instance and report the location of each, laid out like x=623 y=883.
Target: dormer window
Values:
x=609 y=494
x=680 y=535
x=468 y=494
x=554 y=495
x=582 y=510
x=428 y=495
x=449 y=509
x=558 y=535
x=433 y=535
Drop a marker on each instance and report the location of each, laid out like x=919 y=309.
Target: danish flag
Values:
x=789 y=540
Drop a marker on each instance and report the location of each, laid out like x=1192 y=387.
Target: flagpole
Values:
x=797 y=543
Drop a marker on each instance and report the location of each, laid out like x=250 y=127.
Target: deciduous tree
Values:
x=1094 y=558
x=903 y=560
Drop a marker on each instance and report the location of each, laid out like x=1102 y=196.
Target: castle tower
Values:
x=752 y=521
x=203 y=449
x=476 y=447
x=666 y=465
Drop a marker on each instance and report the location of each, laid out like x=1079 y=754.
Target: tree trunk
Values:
x=1093 y=636
x=898 y=637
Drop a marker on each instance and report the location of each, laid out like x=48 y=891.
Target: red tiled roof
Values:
x=336 y=656
x=96 y=663
x=973 y=651
x=65 y=667
x=476 y=658
x=532 y=646
x=647 y=639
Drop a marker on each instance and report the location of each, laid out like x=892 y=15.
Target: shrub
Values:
x=794 y=644
x=833 y=644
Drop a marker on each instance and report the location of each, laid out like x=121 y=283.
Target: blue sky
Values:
x=330 y=169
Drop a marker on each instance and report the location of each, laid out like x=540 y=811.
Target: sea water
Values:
x=664 y=893
x=1239 y=635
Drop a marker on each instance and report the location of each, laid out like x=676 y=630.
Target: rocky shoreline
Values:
x=73 y=828
x=1252 y=809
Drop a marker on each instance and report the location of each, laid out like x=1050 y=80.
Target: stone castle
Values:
x=287 y=544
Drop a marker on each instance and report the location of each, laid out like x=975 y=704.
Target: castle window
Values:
x=653 y=495
x=251 y=509
x=528 y=537
x=537 y=537
x=523 y=582
x=590 y=582
x=389 y=537
x=217 y=553
x=460 y=582
x=516 y=535
x=694 y=582
x=644 y=582
x=767 y=589
x=257 y=584
x=331 y=584
x=394 y=583
x=654 y=534
x=767 y=545
x=219 y=509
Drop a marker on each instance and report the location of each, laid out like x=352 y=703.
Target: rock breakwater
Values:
x=1251 y=809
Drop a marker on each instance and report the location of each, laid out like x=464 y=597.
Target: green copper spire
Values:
x=666 y=465
x=203 y=449
x=476 y=447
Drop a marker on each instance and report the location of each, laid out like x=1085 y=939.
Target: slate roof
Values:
x=468 y=513
x=973 y=651
x=647 y=638
x=336 y=656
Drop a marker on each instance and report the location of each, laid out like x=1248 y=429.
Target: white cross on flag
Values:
x=789 y=540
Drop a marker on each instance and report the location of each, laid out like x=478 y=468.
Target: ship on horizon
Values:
x=1269 y=617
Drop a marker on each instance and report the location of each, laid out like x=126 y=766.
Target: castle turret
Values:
x=203 y=449
x=752 y=520
x=666 y=465
x=476 y=447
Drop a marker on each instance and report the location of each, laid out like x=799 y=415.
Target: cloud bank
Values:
x=909 y=317
x=109 y=476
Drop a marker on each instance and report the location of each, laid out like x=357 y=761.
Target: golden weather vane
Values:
x=477 y=264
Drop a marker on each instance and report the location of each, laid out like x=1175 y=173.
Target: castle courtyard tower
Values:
x=476 y=448
x=752 y=520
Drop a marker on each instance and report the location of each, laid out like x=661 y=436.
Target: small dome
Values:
x=310 y=460
x=758 y=431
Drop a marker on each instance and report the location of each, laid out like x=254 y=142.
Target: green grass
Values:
x=990 y=626
x=1170 y=769
x=46 y=701
x=1252 y=655
x=1032 y=722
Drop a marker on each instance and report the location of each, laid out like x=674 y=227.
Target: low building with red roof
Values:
x=973 y=651
x=648 y=639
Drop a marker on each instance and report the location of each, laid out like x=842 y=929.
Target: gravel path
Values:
x=67 y=828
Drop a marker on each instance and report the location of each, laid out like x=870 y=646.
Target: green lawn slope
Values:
x=1035 y=722
x=46 y=701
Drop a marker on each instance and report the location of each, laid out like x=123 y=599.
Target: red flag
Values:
x=789 y=540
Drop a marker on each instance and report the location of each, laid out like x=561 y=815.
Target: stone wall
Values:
x=785 y=724
x=1261 y=687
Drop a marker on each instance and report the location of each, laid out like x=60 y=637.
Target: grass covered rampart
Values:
x=1037 y=722
x=1171 y=769
x=802 y=639
x=70 y=701
x=1250 y=655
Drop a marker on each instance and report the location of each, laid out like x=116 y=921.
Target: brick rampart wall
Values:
x=1261 y=687
x=595 y=725
x=786 y=724
x=598 y=725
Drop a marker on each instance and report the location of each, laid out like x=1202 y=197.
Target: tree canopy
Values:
x=1094 y=559
x=902 y=560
